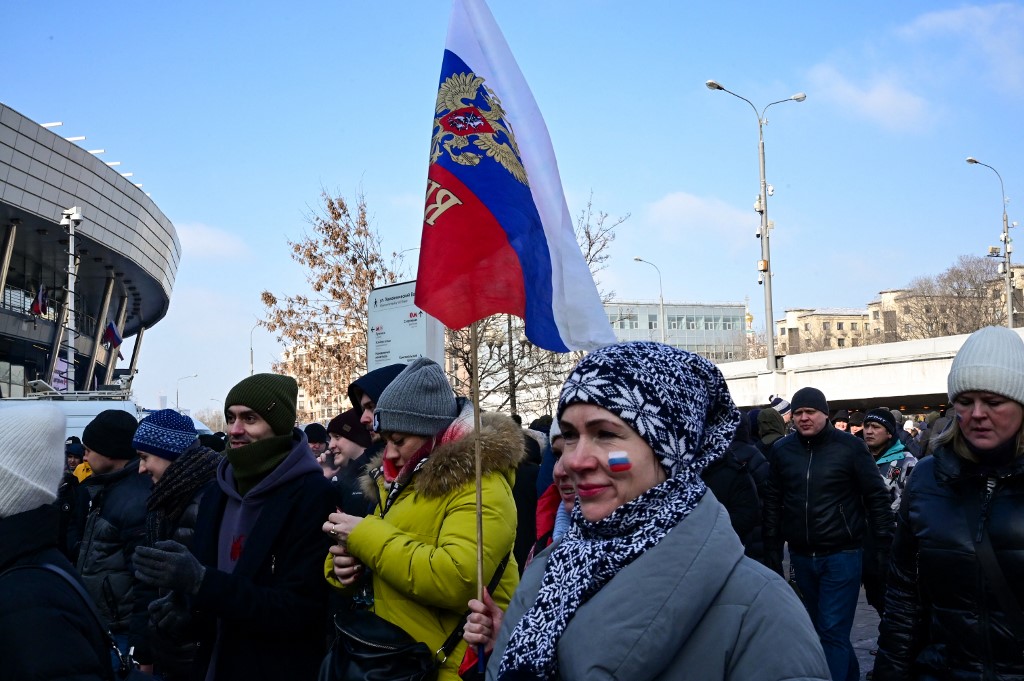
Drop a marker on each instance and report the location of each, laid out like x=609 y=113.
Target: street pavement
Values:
x=864 y=635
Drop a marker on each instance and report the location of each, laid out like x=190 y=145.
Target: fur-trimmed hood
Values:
x=451 y=464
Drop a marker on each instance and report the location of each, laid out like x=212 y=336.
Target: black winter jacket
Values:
x=114 y=526
x=822 y=493
x=733 y=485
x=270 y=611
x=941 y=618
x=46 y=629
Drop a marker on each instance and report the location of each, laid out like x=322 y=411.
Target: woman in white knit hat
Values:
x=956 y=578
x=46 y=628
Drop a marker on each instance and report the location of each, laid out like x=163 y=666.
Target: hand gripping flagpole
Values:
x=474 y=346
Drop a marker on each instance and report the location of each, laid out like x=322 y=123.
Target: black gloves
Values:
x=169 y=565
x=168 y=614
x=773 y=557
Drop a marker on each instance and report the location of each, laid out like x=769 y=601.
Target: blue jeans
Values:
x=122 y=646
x=830 y=586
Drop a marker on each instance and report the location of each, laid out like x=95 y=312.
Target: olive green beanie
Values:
x=272 y=396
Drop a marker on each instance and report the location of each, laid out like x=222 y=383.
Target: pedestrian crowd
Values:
x=648 y=529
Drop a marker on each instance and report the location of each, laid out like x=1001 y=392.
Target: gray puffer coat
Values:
x=692 y=607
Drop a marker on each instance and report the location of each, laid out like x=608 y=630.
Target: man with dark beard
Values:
x=253 y=583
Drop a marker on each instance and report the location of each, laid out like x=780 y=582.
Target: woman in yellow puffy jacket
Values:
x=418 y=548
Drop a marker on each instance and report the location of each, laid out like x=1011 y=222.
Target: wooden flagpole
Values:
x=474 y=344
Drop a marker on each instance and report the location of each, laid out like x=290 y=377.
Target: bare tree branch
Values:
x=325 y=332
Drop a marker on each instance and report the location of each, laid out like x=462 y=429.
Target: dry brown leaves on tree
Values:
x=325 y=330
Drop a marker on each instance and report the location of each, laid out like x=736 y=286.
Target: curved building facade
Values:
x=112 y=262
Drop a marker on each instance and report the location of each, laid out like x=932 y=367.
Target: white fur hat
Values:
x=991 y=360
x=31 y=456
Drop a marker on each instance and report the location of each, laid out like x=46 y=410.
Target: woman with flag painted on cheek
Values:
x=650 y=581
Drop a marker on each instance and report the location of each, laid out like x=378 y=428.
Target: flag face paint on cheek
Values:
x=619 y=462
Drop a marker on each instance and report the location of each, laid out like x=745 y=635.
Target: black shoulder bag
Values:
x=127 y=670
x=366 y=646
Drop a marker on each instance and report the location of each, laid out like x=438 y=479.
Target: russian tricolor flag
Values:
x=497 y=234
x=111 y=336
x=39 y=303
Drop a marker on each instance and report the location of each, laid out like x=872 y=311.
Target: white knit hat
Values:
x=991 y=360
x=31 y=456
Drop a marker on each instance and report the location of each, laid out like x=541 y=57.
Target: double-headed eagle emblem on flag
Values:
x=469 y=119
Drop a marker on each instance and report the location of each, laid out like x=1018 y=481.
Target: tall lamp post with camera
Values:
x=1007 y=248
x=764 y=267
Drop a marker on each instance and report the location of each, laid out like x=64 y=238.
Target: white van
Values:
x=81 y=407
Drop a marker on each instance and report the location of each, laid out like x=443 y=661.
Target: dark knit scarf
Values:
x=678 y=402
x=253 y=462
x=176 y=490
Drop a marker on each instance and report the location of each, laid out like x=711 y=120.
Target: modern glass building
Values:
x=113 y=260
x=716 y=331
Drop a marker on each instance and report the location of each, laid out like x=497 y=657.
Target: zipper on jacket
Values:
x=985 y=620
x=846 y=523
x=807 y=497
x=273 y=563
x=986 y=503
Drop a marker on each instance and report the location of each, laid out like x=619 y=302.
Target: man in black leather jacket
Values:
x=823 y=491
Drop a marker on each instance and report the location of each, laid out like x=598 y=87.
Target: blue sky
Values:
x=234 y=115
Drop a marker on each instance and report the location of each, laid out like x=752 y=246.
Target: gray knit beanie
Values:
x=418 y=402
x=991 y=360
x=31 y=459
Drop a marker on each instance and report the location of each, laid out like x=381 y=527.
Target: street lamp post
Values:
x=764 y=266
x=72 y=219
x=177 y=406
x=254 y=327
x=1007 y=247
x=661 y=297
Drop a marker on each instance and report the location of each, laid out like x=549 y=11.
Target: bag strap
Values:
x=996 y=577
x=82 y=594
x=990 y=563
x=453 y=638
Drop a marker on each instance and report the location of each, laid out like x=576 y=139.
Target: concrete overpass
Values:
x=909 y=375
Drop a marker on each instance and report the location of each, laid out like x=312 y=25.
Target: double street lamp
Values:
x=661 y=297
x=764 y=267
x=1007 y=247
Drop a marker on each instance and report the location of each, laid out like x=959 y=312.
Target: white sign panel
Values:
x=399 y=332
x=59 y=380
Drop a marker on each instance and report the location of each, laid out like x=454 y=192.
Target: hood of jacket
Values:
x=895 y=453
x=770 y=423
x=451 y=464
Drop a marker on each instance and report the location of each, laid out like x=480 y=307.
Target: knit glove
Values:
x=169 y=565
x=168 y=615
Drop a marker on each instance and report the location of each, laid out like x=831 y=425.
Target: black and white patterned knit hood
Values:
x=677 y=401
